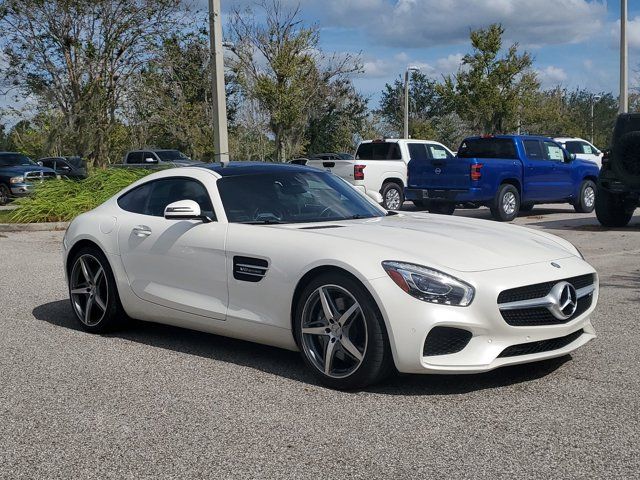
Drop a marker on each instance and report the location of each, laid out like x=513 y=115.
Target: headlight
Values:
x=429 y=285
x=16 y=180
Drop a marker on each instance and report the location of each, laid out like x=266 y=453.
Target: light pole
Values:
x=594 y=99
x=624 y=99
x=406 y=98
x=218 y=94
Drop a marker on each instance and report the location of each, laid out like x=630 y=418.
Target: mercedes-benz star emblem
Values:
x=564 y=300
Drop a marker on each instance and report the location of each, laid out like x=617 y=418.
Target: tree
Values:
x=280 y=65
x=490 y=92
x=78 y=57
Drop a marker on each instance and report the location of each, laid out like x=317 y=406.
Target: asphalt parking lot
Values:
x=159 y=402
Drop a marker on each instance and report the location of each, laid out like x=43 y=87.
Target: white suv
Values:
x=381 y=166
x=581 y=148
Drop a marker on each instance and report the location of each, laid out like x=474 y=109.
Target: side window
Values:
x=553 y=152
x=134 y=157
x=586 y=148
x=135 y=201
x=48 y=163
x=172 y=190
x=148 y=155
x=438 y=152
x=574 y=147
x=418 y=152
x=533 y=149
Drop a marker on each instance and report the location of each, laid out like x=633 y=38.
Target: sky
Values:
x=574 y=42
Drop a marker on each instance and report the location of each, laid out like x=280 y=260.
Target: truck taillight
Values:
x=476 y=173
x=358 y=172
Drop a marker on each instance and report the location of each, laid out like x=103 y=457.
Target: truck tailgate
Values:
x=341 y=168
x=440 y=173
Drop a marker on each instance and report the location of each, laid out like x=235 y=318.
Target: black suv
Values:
x=70 y=167
x=619 y=180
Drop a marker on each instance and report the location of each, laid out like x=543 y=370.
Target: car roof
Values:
x=510 y=137
x=233 y=169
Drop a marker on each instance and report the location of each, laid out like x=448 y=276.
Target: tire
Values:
x=442 y=208
x=586 y=201
x=611 y=210
x=392 y=196
x=318 y=336
x=5 y=194
x=506 y=204
x=105 y=311
x=625 y=159
x=527 y=207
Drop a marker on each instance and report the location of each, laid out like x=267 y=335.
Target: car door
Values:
x=179 y=264
x=560 y=184
x=538 y=172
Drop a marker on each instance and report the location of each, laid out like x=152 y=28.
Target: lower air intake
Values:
x=541 y=346
x=445 y=340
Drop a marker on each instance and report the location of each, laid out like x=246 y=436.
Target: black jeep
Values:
x=619 y=180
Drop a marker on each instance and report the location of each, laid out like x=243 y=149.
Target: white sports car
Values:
x=295 y=257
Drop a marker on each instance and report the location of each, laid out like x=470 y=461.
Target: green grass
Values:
x=63 y=200
x=5 y=216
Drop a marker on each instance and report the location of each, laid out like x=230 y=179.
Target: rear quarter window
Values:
x=488 y=148
x=379 y=151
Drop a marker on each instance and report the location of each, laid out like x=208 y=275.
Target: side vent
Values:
x=249 y=269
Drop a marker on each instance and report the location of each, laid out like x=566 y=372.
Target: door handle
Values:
x=141 y=231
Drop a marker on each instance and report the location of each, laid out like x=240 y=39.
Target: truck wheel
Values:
x=625 y=159
x=611 y=210
x=507 y=203
x=587 y=198
x=392 y=196
x=4 y=194
x=421 y=204
x=442 y=208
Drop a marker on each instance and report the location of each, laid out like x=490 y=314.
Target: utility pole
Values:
x=218 y=97
x=594 y=99
x=406 y=99
x=624 y=99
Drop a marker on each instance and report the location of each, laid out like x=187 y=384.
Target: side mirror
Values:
x=65 y=168
x=150 y=160
x=184 y=210
x=40 y=163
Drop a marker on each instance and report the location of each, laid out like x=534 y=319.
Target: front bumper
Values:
x=21 y=189
x=409 y=321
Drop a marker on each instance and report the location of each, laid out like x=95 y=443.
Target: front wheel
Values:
x=506 y=204
x=392 y=196
x=341 y=333
x=587 y=197
x=4 y=194
x=611 y=210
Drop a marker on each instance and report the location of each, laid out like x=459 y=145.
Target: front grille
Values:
x=445 y=340
x=541 y=346
x=541 y=289
x=537 y=316
x=39 y=176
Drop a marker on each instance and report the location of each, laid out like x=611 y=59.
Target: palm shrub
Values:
x=63 y=200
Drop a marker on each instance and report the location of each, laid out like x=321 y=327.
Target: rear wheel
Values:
x=442 y=208
x=587 y=197
x=611 y=210
x=506 y=204
x=341 y=333
x=4 y=194
x=392 y=196
x=93 y=292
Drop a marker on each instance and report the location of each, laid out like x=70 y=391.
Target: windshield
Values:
x=172 y=155
x=292 y=197
x=15 y=160
x=487 y=148
x=77 y=162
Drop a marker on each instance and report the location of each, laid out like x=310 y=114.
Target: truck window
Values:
x=418 y=152
x=378 y=151
x=438 y=152
x=580 y=147
x=487 y=148
x=533 y=149
x=134 y=157
x=553 y=152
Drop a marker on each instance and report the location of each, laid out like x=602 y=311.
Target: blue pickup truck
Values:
x=19 y=174
x=507 y=173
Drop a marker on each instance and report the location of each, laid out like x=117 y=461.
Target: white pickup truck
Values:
x=381 y=166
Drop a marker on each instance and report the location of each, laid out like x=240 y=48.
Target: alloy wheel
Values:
x=4 y=195
x=589 y=197
x=89 y=289
x=392 y=199
x=334 y=331
x=509 y=203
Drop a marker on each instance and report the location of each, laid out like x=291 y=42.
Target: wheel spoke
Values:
x=326 y=306
x=346 y=316
x=85 y=270
x=80 y=291
x=328 y=356
x=100 y=303
x=96 y=277
x=351 y=348
x=315 y=331
x=87 y=310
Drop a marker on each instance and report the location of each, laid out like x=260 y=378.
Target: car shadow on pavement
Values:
x=288 y=364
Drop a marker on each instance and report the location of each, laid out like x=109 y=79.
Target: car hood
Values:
x=457 y=243
x=21 y=169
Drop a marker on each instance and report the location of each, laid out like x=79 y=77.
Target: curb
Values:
x=33 y=227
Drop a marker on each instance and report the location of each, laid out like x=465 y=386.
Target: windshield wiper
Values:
x=264 y=222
